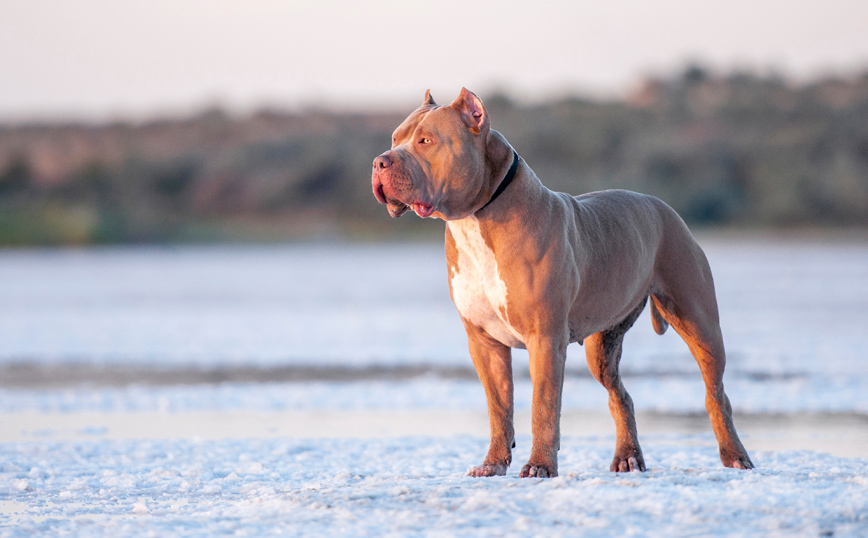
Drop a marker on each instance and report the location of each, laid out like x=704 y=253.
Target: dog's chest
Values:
x=478 y=289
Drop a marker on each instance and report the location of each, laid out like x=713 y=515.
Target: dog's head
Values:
x=438 y=162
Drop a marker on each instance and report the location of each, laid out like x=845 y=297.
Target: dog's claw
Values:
x=741 y=463
x=626 y=465
x=537 y=471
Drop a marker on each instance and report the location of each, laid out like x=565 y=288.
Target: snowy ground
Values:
x=387 y=455
x=417 y=486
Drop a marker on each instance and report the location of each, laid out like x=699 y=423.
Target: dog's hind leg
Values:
x=603 y=352
x=684 y=296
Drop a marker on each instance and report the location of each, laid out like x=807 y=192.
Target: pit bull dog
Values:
x=535 y=269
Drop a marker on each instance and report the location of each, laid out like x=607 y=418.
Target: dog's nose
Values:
x=382 y=162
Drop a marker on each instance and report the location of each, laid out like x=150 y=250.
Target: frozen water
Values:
x=793 y=315
x=339 y=304
x=786 y=307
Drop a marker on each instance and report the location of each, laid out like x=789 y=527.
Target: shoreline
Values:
x=39 y=375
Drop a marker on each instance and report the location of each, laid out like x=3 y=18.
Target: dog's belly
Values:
x=478 y=291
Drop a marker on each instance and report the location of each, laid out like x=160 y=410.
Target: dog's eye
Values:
x=425 y=141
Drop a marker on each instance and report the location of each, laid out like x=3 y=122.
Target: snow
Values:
x=416 y=486
x=388 y=457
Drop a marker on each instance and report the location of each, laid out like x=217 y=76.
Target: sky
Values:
x=109 y=58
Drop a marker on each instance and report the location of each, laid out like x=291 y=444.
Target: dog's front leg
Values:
x=547 y=358
x=493 y=362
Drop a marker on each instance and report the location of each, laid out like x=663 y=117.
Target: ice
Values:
x=197 y=305
x=787 y=307
x=387 y=456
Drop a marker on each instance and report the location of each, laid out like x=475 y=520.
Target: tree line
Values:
x=734 y=150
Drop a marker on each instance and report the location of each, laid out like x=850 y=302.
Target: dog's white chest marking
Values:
x=478 y=290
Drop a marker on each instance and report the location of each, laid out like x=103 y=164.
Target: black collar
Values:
x=510 y=175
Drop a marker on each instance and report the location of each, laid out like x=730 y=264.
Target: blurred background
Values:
x=185 y=188
x=156 y=122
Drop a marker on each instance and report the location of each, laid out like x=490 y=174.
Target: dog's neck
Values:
x=504 y=183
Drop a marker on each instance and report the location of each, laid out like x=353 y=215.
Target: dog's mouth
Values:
x=396 y=208
x=423 y=210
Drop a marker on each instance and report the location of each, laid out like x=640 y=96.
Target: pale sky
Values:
x=129 y=58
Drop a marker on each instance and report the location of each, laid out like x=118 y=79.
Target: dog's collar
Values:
x=510 y=175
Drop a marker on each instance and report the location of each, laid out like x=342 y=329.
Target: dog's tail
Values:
x=660 y=324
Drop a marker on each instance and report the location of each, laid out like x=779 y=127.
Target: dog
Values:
x=534 y=269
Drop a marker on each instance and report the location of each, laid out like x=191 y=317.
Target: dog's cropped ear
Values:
x=428 y=99
x=472 y=111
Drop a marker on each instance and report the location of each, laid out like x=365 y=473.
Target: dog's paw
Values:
x=633 y=462
x=488 y=469
x=538 y=471
x=735 y=457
